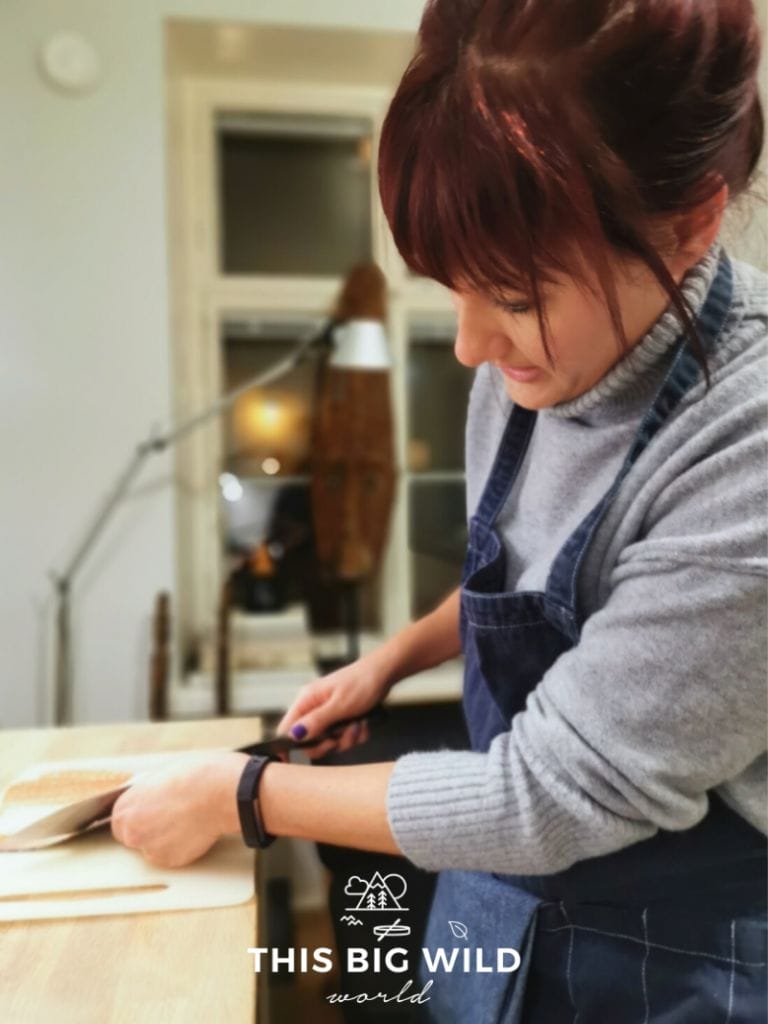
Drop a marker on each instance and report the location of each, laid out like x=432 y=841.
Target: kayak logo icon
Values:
x=380 y=892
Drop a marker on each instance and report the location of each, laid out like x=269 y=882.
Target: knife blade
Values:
x=85 y=815
x=65 y=822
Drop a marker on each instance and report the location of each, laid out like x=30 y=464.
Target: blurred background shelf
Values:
x=272 y=690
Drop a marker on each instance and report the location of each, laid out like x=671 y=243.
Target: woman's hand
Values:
x=346 y=693
x=357 y=688
x=174 y=816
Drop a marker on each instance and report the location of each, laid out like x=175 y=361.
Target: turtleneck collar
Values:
x=630 y=379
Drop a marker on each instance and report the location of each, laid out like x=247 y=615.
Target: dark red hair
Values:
x=525 y=134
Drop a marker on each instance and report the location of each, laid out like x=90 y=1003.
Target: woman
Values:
x=564 y=169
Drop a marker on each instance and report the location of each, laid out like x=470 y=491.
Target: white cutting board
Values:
x=94 y=875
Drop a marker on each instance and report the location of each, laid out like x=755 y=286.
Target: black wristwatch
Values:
x=251 y=825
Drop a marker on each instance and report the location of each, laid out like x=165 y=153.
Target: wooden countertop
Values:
x=171 y=968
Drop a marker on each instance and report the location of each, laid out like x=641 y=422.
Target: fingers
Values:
x=290 y=716
x=338 y=742
x=351 y=736
x=163 y=846
x=348 y=737
x=175 y=857
x=318 y=706
x=117 y=821
x=315 y=722
x=323 y=748
x=309 y=697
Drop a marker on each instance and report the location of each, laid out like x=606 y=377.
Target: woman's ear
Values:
x=696 y=229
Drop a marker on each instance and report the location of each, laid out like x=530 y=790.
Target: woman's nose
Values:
x=478 y=337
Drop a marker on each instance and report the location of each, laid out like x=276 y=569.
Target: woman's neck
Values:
x=628 y=380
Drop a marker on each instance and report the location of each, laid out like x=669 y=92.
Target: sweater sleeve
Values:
x=662 y=700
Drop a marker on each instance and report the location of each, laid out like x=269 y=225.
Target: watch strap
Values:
x=251 y=824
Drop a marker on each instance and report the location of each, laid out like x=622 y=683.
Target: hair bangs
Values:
x=527 y=138
x=464 y=210
x=476 y=203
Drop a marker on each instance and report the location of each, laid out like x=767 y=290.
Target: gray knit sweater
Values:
x=664 y=697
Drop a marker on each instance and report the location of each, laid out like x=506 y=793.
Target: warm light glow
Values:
x=231 y=488
x=267 y=414
x=419 y=455
x=365 y=151
x=271 y=466
x=265 y=427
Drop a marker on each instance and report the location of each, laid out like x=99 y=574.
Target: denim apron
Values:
x=667 y=931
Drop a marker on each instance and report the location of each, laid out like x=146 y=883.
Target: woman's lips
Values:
x=522 y=374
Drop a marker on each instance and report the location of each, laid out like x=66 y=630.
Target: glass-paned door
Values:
x=295 y=194
x=265 y=482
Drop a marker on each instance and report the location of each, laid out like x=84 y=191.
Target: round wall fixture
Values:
x=70 y=62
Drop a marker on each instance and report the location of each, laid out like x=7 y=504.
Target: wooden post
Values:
x=222 y=652
x=159 y=670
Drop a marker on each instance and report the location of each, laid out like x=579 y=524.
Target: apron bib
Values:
x=662 y=932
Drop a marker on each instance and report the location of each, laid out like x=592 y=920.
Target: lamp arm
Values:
x=275 y=372
x=160 y=442
x=155 y=443
x=116 y=493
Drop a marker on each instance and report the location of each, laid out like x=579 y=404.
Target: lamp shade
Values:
x=360 y=345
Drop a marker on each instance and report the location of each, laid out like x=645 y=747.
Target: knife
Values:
x=65 y=822
x=284 y=743
x=90 y=813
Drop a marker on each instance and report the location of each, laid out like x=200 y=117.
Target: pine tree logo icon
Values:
x=380 y=892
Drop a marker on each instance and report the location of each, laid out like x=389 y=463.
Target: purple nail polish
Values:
x=299 y=732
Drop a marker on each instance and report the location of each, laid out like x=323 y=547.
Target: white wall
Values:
x=84 y=335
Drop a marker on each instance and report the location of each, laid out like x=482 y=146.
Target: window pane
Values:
x=273 y=563
x=295 y=195
x=437 y=539
x=268 y=529
x=268 y=429
x=438 y=389
x=266 y=507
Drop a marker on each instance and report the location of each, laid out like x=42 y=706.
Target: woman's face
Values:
x=582 y=339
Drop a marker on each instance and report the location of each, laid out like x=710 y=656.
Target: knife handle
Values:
x=377 y=713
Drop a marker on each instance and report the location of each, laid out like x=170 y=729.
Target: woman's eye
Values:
x=515 y=307
x=512 y=305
